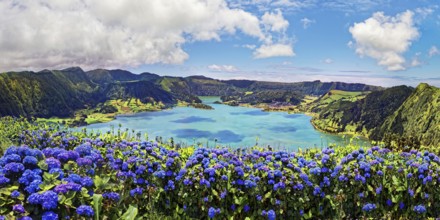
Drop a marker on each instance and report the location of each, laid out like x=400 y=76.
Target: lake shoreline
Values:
x=230 y=126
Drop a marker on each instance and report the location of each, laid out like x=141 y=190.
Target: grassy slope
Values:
x=418 y=116
x=403 y=111
x=95 y=115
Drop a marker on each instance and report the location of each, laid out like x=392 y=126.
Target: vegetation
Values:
x=75 y=97
x=399 y=115
x=66 y=93
x=105 y=112
x=56 y=174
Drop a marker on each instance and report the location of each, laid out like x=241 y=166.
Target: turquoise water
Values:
x=230 y=126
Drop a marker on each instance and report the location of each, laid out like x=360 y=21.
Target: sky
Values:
x=378 y=42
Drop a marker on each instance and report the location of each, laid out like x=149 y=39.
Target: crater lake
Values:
x=226 y=126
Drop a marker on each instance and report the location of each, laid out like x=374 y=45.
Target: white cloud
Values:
x=249 y=46
x=114 y=33
x=328 y=61
x=425 y=12
x=352 y=6
x=273 y=50
x=385 y=38
x=416 y=60
x=433 y=51
x=222 y=68
x=267 y=5
x=307 y=22
x=295 y=4
x=274 y=21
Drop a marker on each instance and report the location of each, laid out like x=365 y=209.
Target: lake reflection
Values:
x=227 y=125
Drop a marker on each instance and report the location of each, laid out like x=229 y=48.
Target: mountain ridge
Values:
x=375 y=113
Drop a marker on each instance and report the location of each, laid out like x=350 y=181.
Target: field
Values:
x=52 y=173
x=105 y=112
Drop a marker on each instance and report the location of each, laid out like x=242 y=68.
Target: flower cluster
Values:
x=52 y=172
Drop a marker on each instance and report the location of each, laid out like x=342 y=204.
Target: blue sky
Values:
x=380 y=42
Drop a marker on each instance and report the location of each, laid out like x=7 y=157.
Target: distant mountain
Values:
x=62 y=92
x=102 y=76
x=45 y=93
x=401 y=111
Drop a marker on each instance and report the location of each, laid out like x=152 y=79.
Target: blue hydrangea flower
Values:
x=33 y=187
x=411 y=192
x=49 y=200
x=223 y=194
x=212 y=212
x=70 y=186
x=49 y=215
x=15 y=194
x=28 y=177
x=369 y=207
x=111 y=196
x=85 y=210
x=4 y=180
x=30 y=161
x=420 y=209
x=246 y=208
x=18 y=208
x=13 y=168
x=86 y=181
x=84 y=161
x=53 y=163
x=389 y=202
x=136 y=191
x=401 y=205
x=271 y=215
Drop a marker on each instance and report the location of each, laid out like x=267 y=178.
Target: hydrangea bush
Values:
x=61 y=175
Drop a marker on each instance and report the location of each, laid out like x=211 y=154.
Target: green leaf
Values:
x=214 y=192
x=308 y=215
x=97 y=205
x=401 y=189
x=268 y=194
x=418 y=190
x=47 y=176
x=130 y=214
x=396 y=181
x=43 y=165
x=84 y=193
x=97 y=181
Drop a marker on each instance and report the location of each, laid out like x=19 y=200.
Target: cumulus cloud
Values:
x=274 y=21
x=114 y=33
x=385 y=38
x=433 y=51
x=222 y=68
x=273 y=50
x=307 y=22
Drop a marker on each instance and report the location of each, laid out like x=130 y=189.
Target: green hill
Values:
x=400 y=112
x=46 y=93
x=59 y=93
x=418 y=116
x=334 y=96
